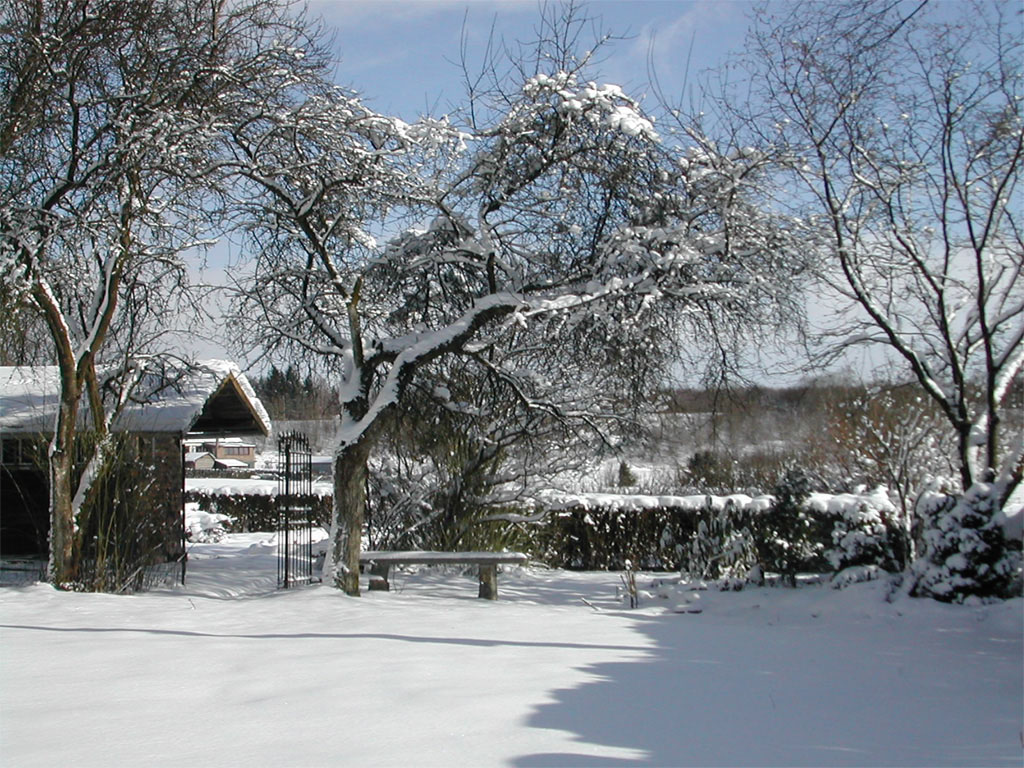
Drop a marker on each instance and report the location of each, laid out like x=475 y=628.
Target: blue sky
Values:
x=401 y=54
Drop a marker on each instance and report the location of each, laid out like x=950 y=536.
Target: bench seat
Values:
x=380 y=563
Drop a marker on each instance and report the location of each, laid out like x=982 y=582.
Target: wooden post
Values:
x=488 y=582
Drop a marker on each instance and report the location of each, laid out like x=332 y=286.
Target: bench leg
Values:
x=488 y=582
x=379 y=577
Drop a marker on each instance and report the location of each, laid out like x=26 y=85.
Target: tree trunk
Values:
x=349 y=513
x=61 y=519
x=964 y=455
x=61 y=465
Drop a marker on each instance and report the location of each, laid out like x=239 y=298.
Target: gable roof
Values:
x=209 y=396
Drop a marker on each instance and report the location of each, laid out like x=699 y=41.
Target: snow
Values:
x=248 y=486
x=422 y=557
x=874 y=501
x=227 y=671
x=850 y=503
x=636 y=502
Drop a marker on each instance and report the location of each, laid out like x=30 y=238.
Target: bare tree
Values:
x=556 y=246
x=898 y=132
x=891 y=436
x=112 y=115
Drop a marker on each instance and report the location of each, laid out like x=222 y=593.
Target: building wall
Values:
x=149 y=489
x=203 y=462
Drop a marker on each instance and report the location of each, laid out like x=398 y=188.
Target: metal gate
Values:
x=294 y=511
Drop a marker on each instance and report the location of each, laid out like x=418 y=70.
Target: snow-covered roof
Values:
x=231 y=464
x=210 y=395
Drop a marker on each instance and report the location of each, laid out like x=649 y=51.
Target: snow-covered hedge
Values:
x=604 y=538
x=863 y=529
x=558 y=502
x=713 y=536
x=221 y=485
x=253 y=512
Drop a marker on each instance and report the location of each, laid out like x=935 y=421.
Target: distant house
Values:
x=227 y=452
x=199 y=459
x=206 y=401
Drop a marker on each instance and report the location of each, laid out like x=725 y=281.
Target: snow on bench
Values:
x=380 y=563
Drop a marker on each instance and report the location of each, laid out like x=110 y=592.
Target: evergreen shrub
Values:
x=965 y=553
x=787 y=536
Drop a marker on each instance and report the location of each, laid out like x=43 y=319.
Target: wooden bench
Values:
x=380 y=563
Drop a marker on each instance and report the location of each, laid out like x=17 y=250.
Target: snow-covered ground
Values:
x=226 y=671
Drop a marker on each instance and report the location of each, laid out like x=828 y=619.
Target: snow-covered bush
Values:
x=204 y=527
x=862 y=533
x=788 y=537
x=723 y=546
x=890 y=435
x=856 y=574
x=964 y=552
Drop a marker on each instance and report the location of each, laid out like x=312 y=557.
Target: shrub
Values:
x=786 y=535
x=710 y=470
x=627 y=478
x=964 y=552
x=862 y=536
x=722 y=546
x=125 y=528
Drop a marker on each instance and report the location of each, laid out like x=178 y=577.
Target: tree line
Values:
x=288 y=395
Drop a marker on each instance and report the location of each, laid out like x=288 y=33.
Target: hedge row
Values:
x=258 y=513
x=603 y=539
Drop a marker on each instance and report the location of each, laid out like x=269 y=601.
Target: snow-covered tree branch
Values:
x=550 y=233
